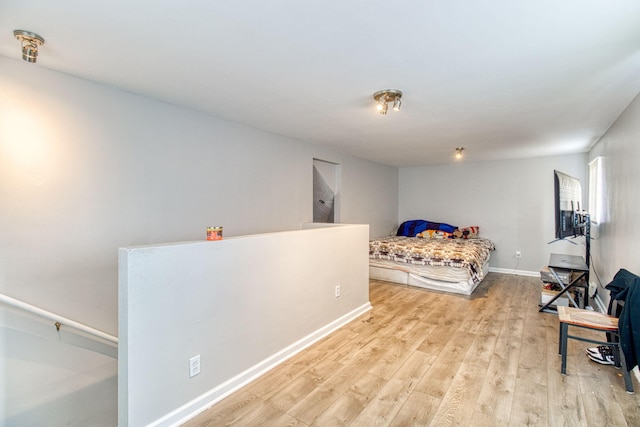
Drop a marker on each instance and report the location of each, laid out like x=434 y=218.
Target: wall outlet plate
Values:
x=194 y=366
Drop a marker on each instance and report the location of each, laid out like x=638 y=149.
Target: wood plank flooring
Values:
x=423 y=358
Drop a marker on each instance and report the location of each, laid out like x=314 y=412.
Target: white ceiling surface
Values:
x=504 y=79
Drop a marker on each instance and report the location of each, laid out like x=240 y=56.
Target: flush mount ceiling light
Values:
x=459 y=152
x=386 y=97
x=30 y=42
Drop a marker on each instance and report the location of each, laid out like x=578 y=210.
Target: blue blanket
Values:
x=416 y=226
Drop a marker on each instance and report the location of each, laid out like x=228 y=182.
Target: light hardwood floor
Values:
x=423 y=358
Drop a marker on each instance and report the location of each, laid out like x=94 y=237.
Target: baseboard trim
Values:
x=216 y=394
x=514 y=272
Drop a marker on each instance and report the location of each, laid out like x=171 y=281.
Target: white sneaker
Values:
x=602 y=359
x=600 y=350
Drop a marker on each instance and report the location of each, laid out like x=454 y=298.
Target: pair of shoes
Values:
x=601 y=354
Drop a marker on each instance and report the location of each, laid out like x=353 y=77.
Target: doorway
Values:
x=326 y=183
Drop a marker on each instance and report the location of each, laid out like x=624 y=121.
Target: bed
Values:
x=451 y=261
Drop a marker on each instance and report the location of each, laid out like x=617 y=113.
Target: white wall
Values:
x=512 y=202
x=617 y=242
x=86 y=168
x=46 y=381
x=242 y=304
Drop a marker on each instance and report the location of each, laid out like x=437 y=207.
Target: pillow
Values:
x=467 y=232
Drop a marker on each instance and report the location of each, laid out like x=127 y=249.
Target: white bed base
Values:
x=458 y=280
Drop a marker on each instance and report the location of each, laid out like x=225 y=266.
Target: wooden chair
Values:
x=595 y=321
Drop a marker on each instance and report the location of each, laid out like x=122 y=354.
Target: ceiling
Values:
x=504 y=79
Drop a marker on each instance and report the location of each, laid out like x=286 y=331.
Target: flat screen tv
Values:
x=570 y=218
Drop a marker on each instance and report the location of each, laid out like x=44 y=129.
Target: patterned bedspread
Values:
x=463 y=253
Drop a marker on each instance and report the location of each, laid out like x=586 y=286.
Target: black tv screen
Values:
x=568 y=206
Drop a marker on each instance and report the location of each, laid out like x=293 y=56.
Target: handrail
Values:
x=59 y=320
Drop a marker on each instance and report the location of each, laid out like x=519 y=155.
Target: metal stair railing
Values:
x=104 y=342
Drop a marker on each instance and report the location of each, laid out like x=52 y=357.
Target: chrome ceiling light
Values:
x=30 y=42
x=386 y=96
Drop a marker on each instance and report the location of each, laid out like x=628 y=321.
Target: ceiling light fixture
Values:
x=386 y=96
x=30 y=42
x=459 y=152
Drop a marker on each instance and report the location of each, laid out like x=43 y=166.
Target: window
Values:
x=596 y=190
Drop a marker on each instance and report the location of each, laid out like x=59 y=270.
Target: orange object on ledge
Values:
x=214 y=233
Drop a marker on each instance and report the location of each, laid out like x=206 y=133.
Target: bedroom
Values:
x=114 y=176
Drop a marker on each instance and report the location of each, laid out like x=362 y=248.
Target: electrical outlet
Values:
x=337 y=291
x=518 y=254
x=194 y=366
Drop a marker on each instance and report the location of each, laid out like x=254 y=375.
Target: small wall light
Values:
x=30 y=42
x=459 y=153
